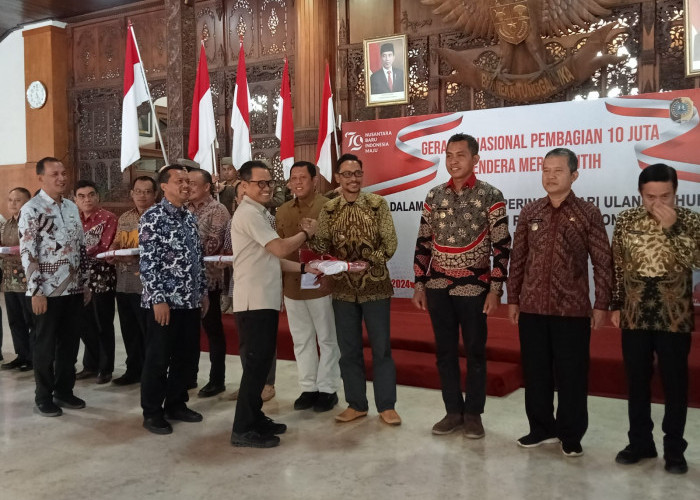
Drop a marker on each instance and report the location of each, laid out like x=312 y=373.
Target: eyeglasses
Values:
x=261 y=184
x=139 y=192
x=348 y=175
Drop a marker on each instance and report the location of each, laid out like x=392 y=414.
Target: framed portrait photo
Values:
x=692 y=37
x=386 y=64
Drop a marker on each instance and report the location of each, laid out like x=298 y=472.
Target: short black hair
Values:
x=571 y=158
x=164 y=174
x=146 y=178
x=41 y=164
x=22 y=190
x=85 y=183
x=344 y=158
x=658 y=172
x=246 y=171
x=309 y=166
x=472 y=143
x=205 y=174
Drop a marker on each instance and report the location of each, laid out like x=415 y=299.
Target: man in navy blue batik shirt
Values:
x=175 y=293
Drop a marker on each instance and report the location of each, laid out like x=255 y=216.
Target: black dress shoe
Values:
x=184 y=415
x=157 y=425
x=211 y=389
x=83 y=374
x=26 y=366
x=268 y=427
x=70 y=402
x=48 y=409
x=306 y=400
x=325 y=402
x=631 y=455
x=126 y=379
x=103 y=377
x=14 y=364
x=675 y=463
x=191 y=385
x=253 y=439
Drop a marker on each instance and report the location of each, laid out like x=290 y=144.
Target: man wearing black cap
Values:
x=388 y=79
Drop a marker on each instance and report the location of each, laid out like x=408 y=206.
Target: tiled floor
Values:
x=102 y=452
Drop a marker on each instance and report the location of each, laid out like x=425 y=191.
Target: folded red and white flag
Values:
x=135 y=93
x=240 y=116
x=284 y=129
x=326 y=128
x=202 y=123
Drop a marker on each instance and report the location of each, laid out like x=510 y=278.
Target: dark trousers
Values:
x=132 y=318
x=56 y=344
x=447 y=314
x=348 y=326
x=214 y=329
x=672 y=350
x=168 y=361
x=257 y=335
x=555 y=350
x=19 y=318
x=97 y=333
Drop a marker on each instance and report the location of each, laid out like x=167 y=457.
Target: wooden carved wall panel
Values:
x=240 y=21
x=85 y=47
x=210 y=28
x=274 y=25
x=670 y=45
x=111 y=43
x=150 y=31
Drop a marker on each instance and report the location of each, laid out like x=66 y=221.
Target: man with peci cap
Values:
x=387 y=79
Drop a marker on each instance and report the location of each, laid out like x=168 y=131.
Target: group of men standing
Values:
x=462 y=257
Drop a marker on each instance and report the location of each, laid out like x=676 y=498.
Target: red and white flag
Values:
x=202 y=123
x=284 y=129
x=135 y=93
x=326 y=128
x=240 y=116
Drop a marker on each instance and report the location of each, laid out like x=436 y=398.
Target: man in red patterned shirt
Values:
x=97 y=332
x=549 y=300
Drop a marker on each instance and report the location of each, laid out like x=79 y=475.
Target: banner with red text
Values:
x=614 y=138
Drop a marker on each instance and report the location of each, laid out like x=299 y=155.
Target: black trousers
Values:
x=672 y=350
x=56 y=344
x=447 y=314
x=132 y=318
x=214 y=329
x=168 y=360
x=19 y=318
x=97 y=333
x=555 y=351
x=257 y=334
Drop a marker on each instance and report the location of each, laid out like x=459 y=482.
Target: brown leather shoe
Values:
x=472 y=427
x=349 y=415
x=390 y=417
x=448 y=424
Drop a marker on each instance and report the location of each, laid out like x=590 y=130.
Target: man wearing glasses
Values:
x=357 y=226
x=258 y=262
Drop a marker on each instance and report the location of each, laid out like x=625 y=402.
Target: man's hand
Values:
x=308 y=225
x=87 y=296
x=420 y=300
x=39 y=305
x=598 y=318
x=664 y=214
x=615 y=318
x=205 y=305
x=491 y=303
x=162 y=313
x=514 y=313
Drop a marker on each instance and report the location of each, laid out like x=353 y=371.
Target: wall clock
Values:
x=36 y=94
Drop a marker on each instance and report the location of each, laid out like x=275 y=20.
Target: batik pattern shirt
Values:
x=212 y=220
x=459 y=233
x=100 y=228
x=654 y=270
x=172 y=265
x=52 y=247
x=362 y=230
x=13 y=277
x=127 y=236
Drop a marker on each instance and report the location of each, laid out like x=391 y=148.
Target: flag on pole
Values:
x=135 y=93
x=240 y=116
x=326 y=128
x=284 y=129
x=202 y=123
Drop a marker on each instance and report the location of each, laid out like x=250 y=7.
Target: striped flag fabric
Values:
x=240 y=116
x=202 y=123
x=135 y=93
x=326 y=128
x=284 y=129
